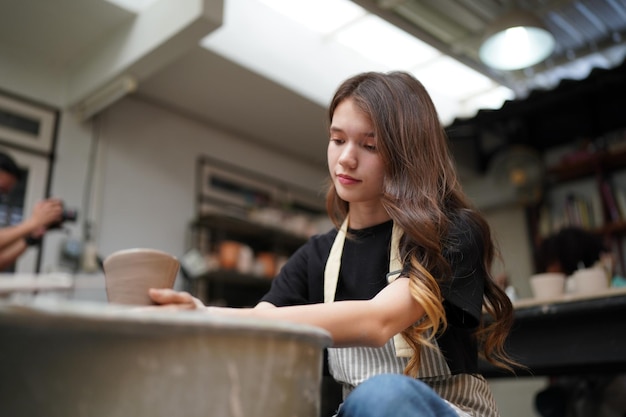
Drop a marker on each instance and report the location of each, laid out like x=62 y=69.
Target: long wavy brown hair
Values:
x=422 y=194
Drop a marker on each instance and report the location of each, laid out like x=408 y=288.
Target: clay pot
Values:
x=128 y=274
x=69 y=359
x=547 y=285
x=266 y=264
x=245 y=260
x=590 y=280
x=229 y=254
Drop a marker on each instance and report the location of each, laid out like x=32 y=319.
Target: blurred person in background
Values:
x=15 y=239
x=570 y=249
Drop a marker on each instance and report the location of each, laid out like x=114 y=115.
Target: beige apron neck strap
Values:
x=331 y=272
x=395 y=263
x=395 y=269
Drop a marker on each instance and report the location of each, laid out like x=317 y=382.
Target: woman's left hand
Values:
x=175 y=300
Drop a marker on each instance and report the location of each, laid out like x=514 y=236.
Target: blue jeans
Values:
x=394 y=395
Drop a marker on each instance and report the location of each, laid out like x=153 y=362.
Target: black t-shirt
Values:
x=364 y=265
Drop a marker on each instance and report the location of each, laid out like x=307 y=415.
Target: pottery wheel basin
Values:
x=67 y=359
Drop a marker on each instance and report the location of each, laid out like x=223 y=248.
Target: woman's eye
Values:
x=371 y=148
x=337 y=141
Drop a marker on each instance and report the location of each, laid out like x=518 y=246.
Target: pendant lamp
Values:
x=516 y=40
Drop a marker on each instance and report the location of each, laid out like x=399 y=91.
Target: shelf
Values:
x=589 y=165
x=268 y=219
x=230 y=288
x=244 y=228
x=236 y=278
x=594 y=206
x=614 y=228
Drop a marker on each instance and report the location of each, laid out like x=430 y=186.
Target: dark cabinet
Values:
x=242 y=258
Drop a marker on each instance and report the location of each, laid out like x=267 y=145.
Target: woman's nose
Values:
x=348 y=156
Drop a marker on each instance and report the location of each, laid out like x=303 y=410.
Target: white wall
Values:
x=508 y=224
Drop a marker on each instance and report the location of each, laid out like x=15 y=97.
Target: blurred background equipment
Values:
x=519 y=168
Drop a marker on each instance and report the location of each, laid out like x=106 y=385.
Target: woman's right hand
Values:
x=175 y=300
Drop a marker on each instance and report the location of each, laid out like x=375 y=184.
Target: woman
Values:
x=405 y=275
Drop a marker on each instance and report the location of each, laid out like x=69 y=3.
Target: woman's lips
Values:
x=346 y=179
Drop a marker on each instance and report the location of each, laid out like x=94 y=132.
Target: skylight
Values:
x=323 y=16
x=311 y=46
x=383 y=42
x=451 y=78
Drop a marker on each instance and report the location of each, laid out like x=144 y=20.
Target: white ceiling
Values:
x=46 y=45
x=55 y=32
x=210 y=88
x=60 y=52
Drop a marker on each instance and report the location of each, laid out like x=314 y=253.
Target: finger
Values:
x=198 y=303
x=170 y=307
x=161 y=295
x=169 y=296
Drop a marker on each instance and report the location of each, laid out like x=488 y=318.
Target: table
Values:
x=571 y=335
x=13 y=283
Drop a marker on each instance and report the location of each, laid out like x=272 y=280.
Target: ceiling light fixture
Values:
x=516 y=40
x=105 y=96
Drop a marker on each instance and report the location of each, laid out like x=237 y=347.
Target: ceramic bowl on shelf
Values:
x=229 y=254
x=590 y=280
x=547 y=285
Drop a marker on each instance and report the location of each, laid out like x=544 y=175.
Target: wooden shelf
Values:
x=236 y=278
x=233 y=289
x=614 y=228
x=600 y=168
x=600 y=162
x=245 y=229
x=230 y=287
x=264 y=216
